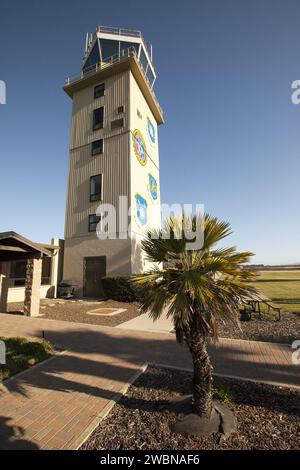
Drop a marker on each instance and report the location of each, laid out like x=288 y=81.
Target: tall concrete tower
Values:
x=113 y=153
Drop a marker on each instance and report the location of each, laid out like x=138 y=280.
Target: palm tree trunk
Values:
x=202 y=380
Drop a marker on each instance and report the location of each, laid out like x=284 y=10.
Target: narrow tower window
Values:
x=99 y=91
x=98 y=118
x=93 y=222
x=95 y=187
x=97 y=147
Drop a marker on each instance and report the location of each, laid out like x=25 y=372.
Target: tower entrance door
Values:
x=94 y=268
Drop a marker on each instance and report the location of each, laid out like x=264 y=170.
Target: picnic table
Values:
x=254 y=301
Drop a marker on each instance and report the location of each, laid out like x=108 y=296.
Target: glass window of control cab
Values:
x=150 y=76
x=132 y=46
x=92 y=60
x=143 y=60
x=98 y=118
x=109 y=48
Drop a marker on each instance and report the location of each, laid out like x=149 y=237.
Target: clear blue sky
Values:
x=231 y=138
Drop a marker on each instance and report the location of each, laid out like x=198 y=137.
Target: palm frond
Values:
x=194 y=287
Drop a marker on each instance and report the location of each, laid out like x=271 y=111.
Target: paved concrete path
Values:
x=145 y=323
x=56 y=405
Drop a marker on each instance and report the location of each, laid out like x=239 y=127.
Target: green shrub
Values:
x=120 y=288
x=221 y=393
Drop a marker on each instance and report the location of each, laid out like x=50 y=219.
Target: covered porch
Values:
x=13 y=248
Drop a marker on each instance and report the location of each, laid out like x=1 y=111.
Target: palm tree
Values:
x=195 y=288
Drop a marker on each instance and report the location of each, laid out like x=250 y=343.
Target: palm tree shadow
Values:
x=107 y=359
x=12 y=437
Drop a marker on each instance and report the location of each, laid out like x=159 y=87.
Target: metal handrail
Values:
x=132 y=33
x=119 y=31
x=130 y=52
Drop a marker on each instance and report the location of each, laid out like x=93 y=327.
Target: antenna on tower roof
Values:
x=86 y=43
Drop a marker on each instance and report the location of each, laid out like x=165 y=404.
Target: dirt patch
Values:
x=76 y=311
x=106 y=311
x=268 y=416
x=268 y=329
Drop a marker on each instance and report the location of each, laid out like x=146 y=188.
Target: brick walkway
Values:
x=56 y=404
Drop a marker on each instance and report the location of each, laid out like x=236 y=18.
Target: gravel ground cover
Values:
x=268 y=416
x=76 y=311
x=268 y=329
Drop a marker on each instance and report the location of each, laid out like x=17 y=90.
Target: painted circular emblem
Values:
x=151 y=131
x=139 y=147
x=152 y=186
x=141 y=209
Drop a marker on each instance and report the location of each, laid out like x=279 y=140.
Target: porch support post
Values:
x=32 y=287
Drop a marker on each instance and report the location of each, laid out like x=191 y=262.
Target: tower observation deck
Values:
x=109 y=44
x=111 y=48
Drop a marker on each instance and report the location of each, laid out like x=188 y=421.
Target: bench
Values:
x=274 y=307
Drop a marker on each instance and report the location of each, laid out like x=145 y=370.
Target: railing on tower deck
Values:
x=120 y=31
x=130 y=52
x=133 y=33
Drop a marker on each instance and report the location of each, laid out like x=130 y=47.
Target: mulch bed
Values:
x=268 y=329
x=76 y=311
x=268 y=416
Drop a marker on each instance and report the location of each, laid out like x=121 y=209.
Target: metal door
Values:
x=94 y=270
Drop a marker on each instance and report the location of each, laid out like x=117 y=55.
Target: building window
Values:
x=46 y=271
x=18 y=272
x=143 y=60
x=116 y=124
x=132 y=46
x=109 y=48
x=97 y=147
x=99 y=91
x=93 y=222
x=95 y=188
x=120 y=109
x=93 y=59
x=150 y=76
x=98 y=118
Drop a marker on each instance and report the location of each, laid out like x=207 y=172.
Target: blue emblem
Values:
x=141 y=209
x=151 y=131
x=153 y=187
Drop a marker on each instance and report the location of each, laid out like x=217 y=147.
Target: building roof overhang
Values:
x=126 y=63
x=14 y=247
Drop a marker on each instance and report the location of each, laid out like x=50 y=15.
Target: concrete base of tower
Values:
x=88 y=259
